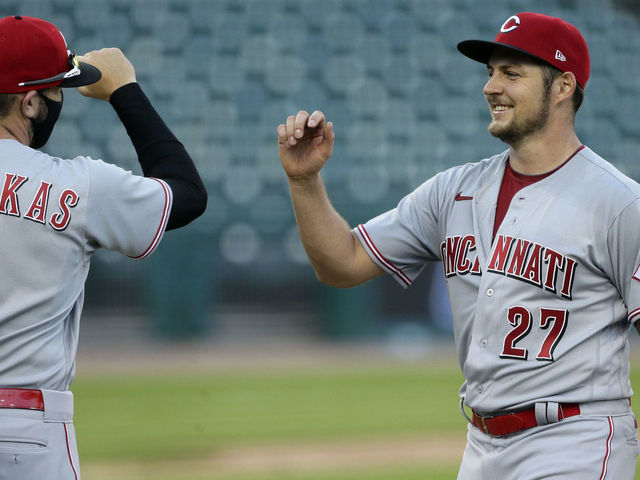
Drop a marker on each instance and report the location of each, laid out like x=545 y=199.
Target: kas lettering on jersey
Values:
x=37 y=212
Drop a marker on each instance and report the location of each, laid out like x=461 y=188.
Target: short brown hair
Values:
x=549 y=75
x=6 y=102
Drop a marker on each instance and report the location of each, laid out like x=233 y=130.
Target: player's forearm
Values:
x=326 y=236
x=160 y=153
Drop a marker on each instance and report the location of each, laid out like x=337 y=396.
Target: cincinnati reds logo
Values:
x=511 y=24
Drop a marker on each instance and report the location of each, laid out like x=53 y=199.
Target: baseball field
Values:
x=353 y=419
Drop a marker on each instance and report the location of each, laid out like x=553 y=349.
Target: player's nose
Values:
x=492 y=87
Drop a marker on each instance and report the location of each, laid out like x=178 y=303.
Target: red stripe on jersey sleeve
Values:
x=634 y=316
x=163 y=221
x=386 y=263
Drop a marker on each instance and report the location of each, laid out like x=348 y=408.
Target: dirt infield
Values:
x=293 y=458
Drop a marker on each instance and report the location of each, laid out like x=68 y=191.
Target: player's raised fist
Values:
x=305 y=143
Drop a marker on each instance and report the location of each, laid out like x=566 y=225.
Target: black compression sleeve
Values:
x=160 y=153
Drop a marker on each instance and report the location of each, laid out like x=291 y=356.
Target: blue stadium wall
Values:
x=405 y=104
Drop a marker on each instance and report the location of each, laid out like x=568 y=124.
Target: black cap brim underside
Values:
x=481 y=50
x=89 y=74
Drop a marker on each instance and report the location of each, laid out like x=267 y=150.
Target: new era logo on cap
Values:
x=549 y=39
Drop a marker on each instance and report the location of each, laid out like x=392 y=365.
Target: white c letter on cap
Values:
x=516 y=24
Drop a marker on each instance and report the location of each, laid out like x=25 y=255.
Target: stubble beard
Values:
x=518 y=129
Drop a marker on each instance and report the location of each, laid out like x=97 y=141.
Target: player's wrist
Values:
x=125 y=92
x=305 y=181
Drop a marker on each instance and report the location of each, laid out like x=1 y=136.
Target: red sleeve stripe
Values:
x=168 y=198
x=633 y=316
x=386 y=263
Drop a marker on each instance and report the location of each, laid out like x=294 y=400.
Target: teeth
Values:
x=500 y=108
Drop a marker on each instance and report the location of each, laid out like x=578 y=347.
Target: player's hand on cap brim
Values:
x=116 y=69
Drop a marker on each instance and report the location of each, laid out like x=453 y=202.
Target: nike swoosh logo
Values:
x=461 y=197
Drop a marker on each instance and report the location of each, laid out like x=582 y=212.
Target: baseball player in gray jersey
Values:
x=54 y=214
x=540 y=247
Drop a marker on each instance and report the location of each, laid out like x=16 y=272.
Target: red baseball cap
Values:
x=549 y=39
x=34 y=56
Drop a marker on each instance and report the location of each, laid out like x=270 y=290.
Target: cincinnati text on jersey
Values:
x=37 y=211
x=518 y=258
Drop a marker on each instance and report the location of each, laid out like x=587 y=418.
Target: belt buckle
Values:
x=483 y=419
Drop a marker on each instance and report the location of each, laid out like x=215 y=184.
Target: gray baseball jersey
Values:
x=542 y=311
x=54 y=214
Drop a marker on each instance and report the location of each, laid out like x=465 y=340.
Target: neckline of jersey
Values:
x=534 y=178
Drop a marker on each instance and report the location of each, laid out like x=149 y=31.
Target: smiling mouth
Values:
x=500 y=108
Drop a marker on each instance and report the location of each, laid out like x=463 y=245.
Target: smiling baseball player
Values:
x=540 y=246
x=54 y=214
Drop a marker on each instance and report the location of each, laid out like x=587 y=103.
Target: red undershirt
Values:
x=512 y=183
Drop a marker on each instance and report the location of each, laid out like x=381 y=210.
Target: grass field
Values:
x=396 y=422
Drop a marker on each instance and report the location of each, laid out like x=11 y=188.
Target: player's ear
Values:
x=30 y=104
x=565 y=85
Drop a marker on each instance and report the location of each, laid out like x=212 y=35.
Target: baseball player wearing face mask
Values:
x=540 y=246
x=54 y=214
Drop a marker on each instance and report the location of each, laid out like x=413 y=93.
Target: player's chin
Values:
x=501 y=131
x=495 y=128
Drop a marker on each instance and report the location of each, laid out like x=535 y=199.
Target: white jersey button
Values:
x=484 y=342
x=480 y=389
x=490 y=292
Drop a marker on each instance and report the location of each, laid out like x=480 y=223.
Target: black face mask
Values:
x=42 y=128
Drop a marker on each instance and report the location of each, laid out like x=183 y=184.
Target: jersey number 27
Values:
x=521 y=320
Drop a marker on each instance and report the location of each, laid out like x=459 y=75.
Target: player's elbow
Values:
x=189 y=205
x=346 y=271
x=337 y=280
x=201 y=203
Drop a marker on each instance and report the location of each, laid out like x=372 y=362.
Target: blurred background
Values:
x=405 y=103
x=223 y=74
